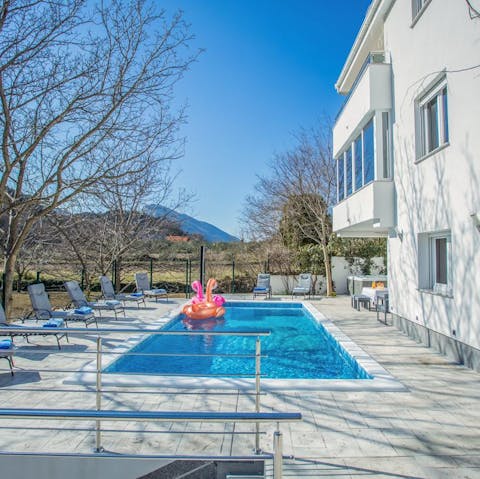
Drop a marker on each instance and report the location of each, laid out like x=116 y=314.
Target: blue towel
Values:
x=112 y=303
x=53 y=323
x=5 y=343
x=137 y=295
x=83 y=310
x=259 y=289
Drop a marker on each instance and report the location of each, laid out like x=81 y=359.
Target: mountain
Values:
x=192 y=226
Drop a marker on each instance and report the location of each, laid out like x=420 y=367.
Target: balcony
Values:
x=370 y=93
x=368 y=213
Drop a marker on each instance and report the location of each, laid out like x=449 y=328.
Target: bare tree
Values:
x=118 y=217
x=295 y=198
x=85 y=95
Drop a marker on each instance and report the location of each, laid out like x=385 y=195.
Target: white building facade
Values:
x=407 y=147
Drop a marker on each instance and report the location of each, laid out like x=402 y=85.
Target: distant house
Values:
x=407 y=146
x=177 y=239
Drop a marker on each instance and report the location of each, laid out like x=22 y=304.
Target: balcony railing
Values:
x=373 y=57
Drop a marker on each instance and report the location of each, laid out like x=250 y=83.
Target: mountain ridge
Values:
x=190 y=225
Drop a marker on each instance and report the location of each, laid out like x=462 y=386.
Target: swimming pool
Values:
x=300 y=347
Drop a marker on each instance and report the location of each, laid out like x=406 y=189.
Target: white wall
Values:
x=440 y=192
x=341 y=269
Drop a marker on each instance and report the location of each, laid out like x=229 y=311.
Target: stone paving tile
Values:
x=428 y=431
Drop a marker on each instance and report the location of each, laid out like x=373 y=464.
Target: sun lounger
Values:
x=143 y=286
x=7 y=351
x=263 y=286
x=80 y=301
x=108 y=293
x=304 y=285
x=51 y=324
x=43 y=309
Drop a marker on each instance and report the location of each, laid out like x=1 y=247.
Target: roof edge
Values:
x=370 y=16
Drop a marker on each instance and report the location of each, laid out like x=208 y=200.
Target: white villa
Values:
x=407 y=146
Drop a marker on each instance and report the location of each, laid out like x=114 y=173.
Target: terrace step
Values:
x=184 y=470
x=197 y=469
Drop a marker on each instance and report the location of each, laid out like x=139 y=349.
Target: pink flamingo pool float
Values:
x=205 y=307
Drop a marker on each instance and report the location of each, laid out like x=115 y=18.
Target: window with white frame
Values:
x=356 y=165
x=435 y=262
x=432 y=120
x=418 y=6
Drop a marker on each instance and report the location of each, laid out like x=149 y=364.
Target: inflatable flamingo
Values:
x=206 y=307
x=198 y=288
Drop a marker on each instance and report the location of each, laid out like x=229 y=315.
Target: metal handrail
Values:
x=161 y=416
x=99 y=414
x=101 y=331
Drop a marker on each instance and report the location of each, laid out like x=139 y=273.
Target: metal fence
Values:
x=38 y=371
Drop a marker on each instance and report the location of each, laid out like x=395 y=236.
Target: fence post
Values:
x=202 y=265
x=189 y=277
x=232 y=289
x=98 y=438
x=38 y=277
x=83 y=279
x=277 y=454
x=151 y=272
x=257 y=393
x=186 y=279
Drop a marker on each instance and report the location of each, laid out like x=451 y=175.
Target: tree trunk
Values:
x=328 y=270
x=19 y=281
x=9 y=273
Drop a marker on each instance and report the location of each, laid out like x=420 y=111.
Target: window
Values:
x=348 y=158
x=358 y=162
x=368 y=153
x=435 y=262
x=356 y=165
x=418 y=6
x=386 y=144
x=341 y=178
x=432 y=120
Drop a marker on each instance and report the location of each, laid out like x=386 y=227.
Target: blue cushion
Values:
x=5 y=343
x=137 y=295
x=53 y=323
x=83 y=310
x=258 y=288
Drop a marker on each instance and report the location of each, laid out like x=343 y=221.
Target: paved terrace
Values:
x=432 y=430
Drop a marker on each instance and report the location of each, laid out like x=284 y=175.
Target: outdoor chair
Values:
x=143 y=286
x=108 y=293
x=50 y=324
x=263 y=286
x=382 y=306
x=43 y=310
x=304 y=285
x=80 y=301
x=6 y=352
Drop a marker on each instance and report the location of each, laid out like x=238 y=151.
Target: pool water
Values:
x=298 y=347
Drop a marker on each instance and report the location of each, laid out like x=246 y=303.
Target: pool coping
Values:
x=381 y=380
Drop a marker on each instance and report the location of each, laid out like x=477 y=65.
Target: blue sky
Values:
x=268 y=69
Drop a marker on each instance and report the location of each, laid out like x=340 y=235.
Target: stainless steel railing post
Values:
x=277 y=454
x=98 y=423
x=257 y=392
